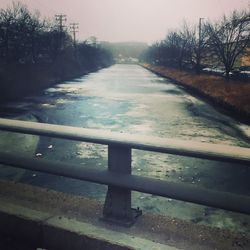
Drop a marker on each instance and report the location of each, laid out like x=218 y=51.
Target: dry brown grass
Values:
x=234 y=94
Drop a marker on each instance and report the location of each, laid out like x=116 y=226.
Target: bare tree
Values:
x=199 y=44
x=18 y=33
x=178 y=46
x=176 y=50
x=229 y=38
x=173 y=45
x=187 y=41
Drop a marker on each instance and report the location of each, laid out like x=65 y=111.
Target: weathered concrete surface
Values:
x=51 y=231
x=53 y=220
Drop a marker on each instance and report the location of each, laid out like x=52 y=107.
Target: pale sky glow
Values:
x=131 y=20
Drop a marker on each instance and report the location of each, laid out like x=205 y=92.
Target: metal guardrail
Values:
x=118 y=177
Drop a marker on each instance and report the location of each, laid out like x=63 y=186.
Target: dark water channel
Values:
x=128 y=98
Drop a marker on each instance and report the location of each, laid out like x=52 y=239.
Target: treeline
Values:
x=207 y=43
x=35 y=52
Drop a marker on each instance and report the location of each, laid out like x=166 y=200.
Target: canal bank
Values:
x=232 y=97
x=21 y=80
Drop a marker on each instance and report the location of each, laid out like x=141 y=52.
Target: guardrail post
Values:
x=117 y=207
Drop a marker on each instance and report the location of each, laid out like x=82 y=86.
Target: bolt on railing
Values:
x=118 y=177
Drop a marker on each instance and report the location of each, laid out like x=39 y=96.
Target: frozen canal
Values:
x=130 y=99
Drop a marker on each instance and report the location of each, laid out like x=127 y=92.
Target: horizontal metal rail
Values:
x=163 y=145
x=179 y=191
x=117 y=207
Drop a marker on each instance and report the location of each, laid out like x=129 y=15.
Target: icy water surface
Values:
x=130 y=99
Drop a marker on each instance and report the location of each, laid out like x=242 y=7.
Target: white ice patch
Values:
x=245 y=129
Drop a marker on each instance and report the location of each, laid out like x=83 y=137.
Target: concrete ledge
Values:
x=19 y=225
x=53 y=220
x=44 y=230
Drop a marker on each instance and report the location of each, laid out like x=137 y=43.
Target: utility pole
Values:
x=74 y=28
x=61 y=18
x=199 y=47
x=200 y=19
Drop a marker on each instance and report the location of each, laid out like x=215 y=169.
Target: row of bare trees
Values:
x=19 y=33
x=27 y=38
x=36 y=53
x=207 y=43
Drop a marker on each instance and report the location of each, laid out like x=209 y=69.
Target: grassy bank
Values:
x=233 y=96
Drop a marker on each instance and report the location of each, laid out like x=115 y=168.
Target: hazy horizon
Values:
x=131 y=20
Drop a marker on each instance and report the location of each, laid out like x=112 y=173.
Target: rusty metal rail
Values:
x=118 y=177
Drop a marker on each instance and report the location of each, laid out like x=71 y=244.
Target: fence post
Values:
x=117 y=206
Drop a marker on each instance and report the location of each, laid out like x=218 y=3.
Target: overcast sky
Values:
x=131 y=20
